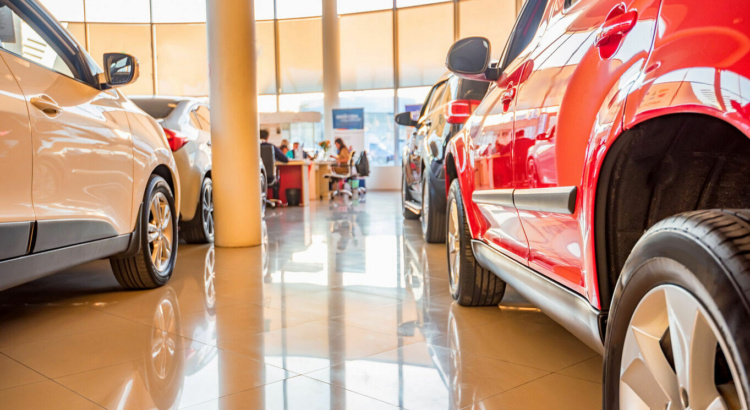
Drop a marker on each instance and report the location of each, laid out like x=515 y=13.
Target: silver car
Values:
x=186 y=122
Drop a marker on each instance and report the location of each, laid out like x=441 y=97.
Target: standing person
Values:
x=343 y=157
x=280 y=157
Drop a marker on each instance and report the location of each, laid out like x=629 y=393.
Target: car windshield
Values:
x=156 y=107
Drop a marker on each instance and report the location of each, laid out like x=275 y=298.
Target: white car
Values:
x=186 y=122
x=86 y=174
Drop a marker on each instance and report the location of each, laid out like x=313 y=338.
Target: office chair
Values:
x=269 y=161
x=337 y=178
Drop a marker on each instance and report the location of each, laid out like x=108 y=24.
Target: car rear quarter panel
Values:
x=700 y=64
x=150 y=150
x=713 y=81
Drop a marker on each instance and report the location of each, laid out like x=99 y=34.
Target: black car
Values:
x=447 y=107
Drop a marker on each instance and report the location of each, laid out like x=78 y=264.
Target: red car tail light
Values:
x=175 y=139
x=457 y=112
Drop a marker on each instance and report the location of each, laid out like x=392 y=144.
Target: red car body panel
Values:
x=572 y=99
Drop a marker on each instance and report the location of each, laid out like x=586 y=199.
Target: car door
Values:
x=492 y=146
x=557 y=108
x=82 y=185
x=413 y=163
x=16 y=210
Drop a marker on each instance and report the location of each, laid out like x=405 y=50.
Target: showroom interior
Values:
x=374 y=204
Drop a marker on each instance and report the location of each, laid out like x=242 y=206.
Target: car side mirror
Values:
x=405 y=119
x=470 y=58
x=120 y=69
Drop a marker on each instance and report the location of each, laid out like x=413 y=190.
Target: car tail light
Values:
x=175 y=139
x=457 y=112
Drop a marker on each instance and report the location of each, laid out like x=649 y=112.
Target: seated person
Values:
x=343 y=157
x=278 y=154
x=297 y=152
x=287 y=153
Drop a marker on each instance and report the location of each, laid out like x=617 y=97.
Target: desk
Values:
x=295 y=174
x=318 y=182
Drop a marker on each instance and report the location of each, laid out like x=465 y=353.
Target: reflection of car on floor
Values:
x=86 y=175
x=186 y=122
x=447 y=107
x=624 y=233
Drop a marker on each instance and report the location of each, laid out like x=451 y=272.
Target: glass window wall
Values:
x=357 y=6
x=492 y=19
x=182 y=59
x=366 y=50
x=266 y=57
x=178 y=11
x=379 y=128
x=65 y=10
x=301 y=55
x=133 y=39
x=176 y=30
x=410 y=3
x=287 y=9
x=118 y=11
x=264 y=9
x=424 y=36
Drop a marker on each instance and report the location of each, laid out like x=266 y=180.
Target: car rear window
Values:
x=157 y=108
x=472 y=90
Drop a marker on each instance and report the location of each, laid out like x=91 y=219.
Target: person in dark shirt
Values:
x=280 y=157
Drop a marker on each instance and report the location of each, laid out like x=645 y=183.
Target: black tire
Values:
x=406 y=196
x=475 y=286
x=433 y=218
x=139 y=271
x=707 y=255
x=201 y=228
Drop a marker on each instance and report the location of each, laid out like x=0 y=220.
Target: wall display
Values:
x=349 y=125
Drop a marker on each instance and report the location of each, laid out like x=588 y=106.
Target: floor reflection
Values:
x=344 y=306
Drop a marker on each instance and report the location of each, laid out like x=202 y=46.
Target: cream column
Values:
x=331 y=67
x=234 y=122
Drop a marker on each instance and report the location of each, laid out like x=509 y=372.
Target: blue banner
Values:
x=349 y=118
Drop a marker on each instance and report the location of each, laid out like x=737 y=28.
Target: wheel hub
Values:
x=454 y=246
x=669 y=357
x=160 y=233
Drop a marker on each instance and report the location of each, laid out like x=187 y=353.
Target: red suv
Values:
x=606 y=177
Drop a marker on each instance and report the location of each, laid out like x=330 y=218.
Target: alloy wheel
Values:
x=207 y=206
x=454 y=246
x=160 y=233
x=673 y=356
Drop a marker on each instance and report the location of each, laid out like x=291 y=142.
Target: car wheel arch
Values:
x=617 y=179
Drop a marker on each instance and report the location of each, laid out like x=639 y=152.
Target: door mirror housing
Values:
x=120 y=69
x=405 y=119
x=470 y=58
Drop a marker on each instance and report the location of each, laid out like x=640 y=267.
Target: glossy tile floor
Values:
x=348 y=308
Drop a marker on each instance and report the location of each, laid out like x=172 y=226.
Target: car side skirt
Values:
x=14 y=239
x=17 y=271
x=565 y=307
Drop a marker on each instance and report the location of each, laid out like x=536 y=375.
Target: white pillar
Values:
x=234 y=122
x=331 y=67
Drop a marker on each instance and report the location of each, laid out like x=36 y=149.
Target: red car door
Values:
x=492 y=153
x=593 y=51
